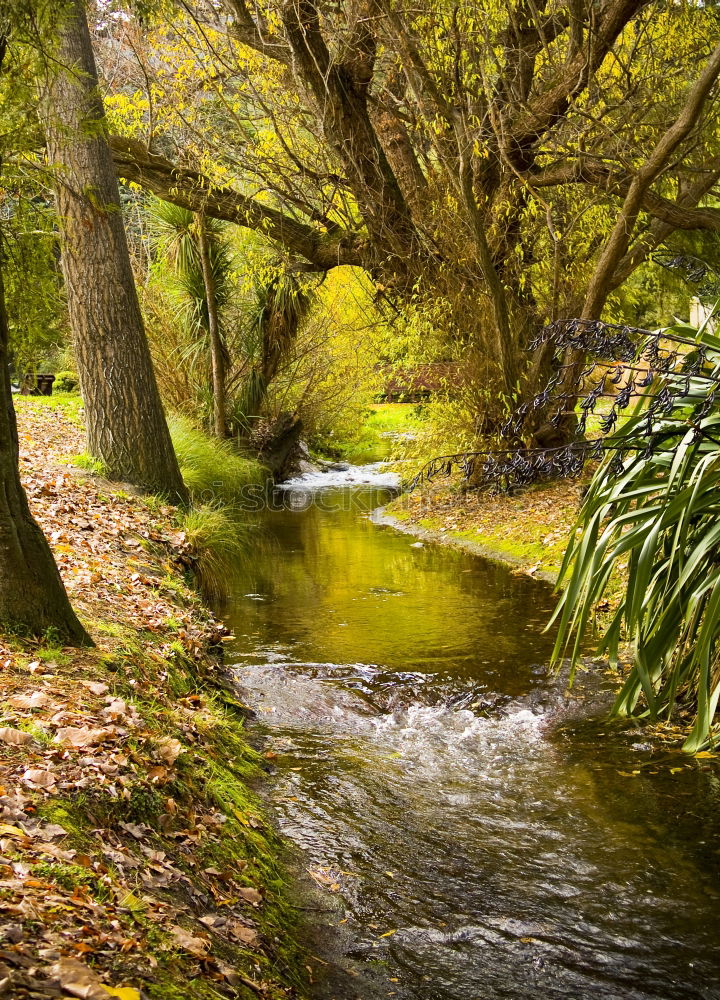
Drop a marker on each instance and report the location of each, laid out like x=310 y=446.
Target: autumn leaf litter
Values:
x=114 y=903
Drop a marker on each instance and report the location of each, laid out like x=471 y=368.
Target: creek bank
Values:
x=135 y=859
x=527 y=531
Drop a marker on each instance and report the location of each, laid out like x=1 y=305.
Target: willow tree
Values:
x=126 y=426
x=32 y=596
x=517 y=161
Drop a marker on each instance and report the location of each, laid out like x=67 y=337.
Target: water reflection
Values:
x=483 y=838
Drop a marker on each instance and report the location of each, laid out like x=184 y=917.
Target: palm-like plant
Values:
x=201 y=263
x=654 y=502
x=281 y=304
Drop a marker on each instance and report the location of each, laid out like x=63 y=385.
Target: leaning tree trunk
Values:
x=126 y=425
x=32 y=595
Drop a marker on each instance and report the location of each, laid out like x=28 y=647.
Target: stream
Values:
x=477 y=832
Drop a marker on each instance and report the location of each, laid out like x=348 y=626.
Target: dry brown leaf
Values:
x=77 y=979
x=40 y=779
x=169 y=750
x=246 y=935
x=81 y=736
x=116 y=709
x=138 y=830
x=50 y=831
x=96 y=687
x=251 y=895
x=14 y=737
x=38 y=699
x=197 y=946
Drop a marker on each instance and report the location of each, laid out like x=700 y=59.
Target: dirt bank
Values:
x=528 y=531
x=135 y=861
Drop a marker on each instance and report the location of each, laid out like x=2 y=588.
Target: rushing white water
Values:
x=475 y=846
x=377 y=475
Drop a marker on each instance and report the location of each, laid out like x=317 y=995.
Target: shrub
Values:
x=654 y=503
x=66 y=382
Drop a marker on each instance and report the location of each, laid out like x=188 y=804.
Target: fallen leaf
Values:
x=123 y=992
x=50 y=831
x=246 y=935
x=81 y=736
x=136 y=829
x=11 y=831
x=41 y=779
x=169 y=750
x=96 y=687
x=117 y=709
x=158 y=774
x=250 y=895
x=38 y=699
x=77 y=979
x=14 y=737
x=197 y=946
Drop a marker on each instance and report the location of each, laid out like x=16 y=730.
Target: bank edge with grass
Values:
x=135 y=855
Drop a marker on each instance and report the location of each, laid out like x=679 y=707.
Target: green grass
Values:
x=212 y=469
x=69 y=402
x=90 y=464
x=373 y=437
x=219 y=543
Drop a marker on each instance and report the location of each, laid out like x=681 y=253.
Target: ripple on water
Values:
x=502 y=856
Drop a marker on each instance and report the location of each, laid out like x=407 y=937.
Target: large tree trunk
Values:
x=127 y=430
x=32 y=595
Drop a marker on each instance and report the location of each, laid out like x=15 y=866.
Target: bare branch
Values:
x=196 y=192
x=619 y=239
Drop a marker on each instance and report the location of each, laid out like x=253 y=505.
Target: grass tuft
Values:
x=220 y=544
x=212 y=469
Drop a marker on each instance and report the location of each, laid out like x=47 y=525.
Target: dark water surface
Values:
x=480 y=835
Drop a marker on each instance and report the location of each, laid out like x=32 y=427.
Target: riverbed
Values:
x=474 y=829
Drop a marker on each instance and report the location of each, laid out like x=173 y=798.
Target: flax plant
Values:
x=654 y=503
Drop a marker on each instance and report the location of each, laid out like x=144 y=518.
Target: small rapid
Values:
x=342 y=475
x=474 y=829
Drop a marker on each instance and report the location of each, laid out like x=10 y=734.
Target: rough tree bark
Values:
x=126 y=425
x=32 y=595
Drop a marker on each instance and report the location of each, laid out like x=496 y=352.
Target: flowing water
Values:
x=481 y=832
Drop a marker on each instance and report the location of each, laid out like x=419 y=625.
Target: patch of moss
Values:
x=73 y=877
x=72 y=817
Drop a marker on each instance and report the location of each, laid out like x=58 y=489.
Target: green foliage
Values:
x=273 y=323
x=177 y=254
x=219 y=543
x=212 y=469
x=66 y=382
x=33 y=283
x=383 y=430
x=659 y=514
x=330 y=376
x=90 y=464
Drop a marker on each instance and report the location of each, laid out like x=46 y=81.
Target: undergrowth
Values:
x=219 y=542
x=212 y=469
